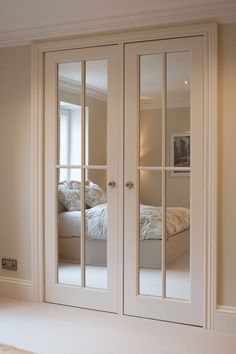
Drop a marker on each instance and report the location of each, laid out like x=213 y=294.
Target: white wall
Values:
x=15 y=159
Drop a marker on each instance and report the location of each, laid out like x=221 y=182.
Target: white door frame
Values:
x=209 y=31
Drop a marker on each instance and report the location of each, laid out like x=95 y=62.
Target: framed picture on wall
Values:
x=180 y=144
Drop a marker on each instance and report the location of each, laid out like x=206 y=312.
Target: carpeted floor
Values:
x=55 y=329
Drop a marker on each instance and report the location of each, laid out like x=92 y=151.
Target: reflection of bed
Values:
x=177 y=236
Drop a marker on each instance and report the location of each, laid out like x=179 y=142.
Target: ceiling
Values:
x=34 y=19
x=31 y=13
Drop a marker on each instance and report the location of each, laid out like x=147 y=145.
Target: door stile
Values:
x=163 y=263
x=82 y=201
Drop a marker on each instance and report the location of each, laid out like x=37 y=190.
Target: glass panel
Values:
x=150 y=139
x=69 y=226
x=69 y=114
x=96 y=229
x=150 y=274
x=96 y=112
x=178 y=235
x=178 y=182
x=178 y=109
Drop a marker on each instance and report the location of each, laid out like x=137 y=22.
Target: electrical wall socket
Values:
x=9 y=264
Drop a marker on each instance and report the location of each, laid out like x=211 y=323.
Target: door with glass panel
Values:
x=164 y=180
x=81 y=191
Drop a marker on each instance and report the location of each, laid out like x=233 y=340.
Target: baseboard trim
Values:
x=225 y=319
x=16 y=288
x=227 y=309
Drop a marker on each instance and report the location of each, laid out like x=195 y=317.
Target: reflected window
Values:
x=70 y=139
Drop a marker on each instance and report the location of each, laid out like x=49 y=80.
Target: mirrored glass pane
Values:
x=69 y=114
x=150 y=139
x=178 y=109
x=178 y=235
x=96 y=235
x=69 y=226
x=150 y=235
x=96 y=113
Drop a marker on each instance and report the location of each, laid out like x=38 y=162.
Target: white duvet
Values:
x=178 y=219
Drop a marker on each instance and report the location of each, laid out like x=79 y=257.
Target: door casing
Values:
x=209 y=31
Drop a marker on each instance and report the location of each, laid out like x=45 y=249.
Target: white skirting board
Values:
x=15 y=288
x=225 y=319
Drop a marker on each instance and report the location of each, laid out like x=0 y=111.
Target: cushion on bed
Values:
x=94 y=195
x=70 y=198
x=69 y=195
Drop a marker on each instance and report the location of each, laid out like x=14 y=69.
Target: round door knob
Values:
x=112 y=184
x=129 y=185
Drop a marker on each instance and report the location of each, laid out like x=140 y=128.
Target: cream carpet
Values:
x=55 y=329
x=177 y=278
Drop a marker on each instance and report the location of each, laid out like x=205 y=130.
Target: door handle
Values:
x=129 y=185
x=112 y=184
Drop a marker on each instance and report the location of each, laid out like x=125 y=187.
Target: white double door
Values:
x=162 y=259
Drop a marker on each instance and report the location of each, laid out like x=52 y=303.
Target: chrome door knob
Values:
x=129 y=185
x=112 y=184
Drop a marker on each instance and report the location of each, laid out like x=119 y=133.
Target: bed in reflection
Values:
x=96 y=217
